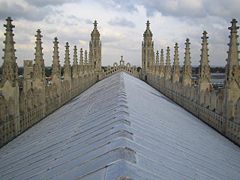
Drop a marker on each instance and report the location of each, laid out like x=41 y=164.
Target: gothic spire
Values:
x=39 y=68
x=81 y=56
x=167 y=74
x=75 y=58
x=67 y=65
x=187 y=67
x=56 y=68
x=232 y=60
x=75 y=62
x=204 y=68
x=157 y=58
x=161 y=63
x=9 y=68
x=176 y=67
x=85 y=57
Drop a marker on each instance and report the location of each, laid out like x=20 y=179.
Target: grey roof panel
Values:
x=120 y=128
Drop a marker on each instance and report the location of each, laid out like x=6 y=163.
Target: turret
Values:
x=9 y=68
x=147 y=49
x=176 y=66
x=187 y=67
x=232 y=74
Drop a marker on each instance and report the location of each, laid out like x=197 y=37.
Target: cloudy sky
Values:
x=121 y=24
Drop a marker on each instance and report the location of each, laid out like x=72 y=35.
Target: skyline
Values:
x=121 y=25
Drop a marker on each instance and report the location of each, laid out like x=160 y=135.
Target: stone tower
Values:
x=176 y=66
x=232 y=74
x=187 y=67
x=204 y=69
x=167 y=70
x=147 y=50
x=95 y=48
x=56 y=68
x=67 y=65
x=10 y=88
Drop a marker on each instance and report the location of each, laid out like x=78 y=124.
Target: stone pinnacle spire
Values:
x=75 y=58
x=204 y=68
x=161 y=64
x=9 y=68
x=81 y=56
x=176 y=67
x=232 y=60
x=161 y=58
x=67 y=65
x=85 y=57
x=232 y=74
x=39 y=68
x=157 y=58
x=75 y=62
x=187 y=67
x=56 y=68
x=168 y=65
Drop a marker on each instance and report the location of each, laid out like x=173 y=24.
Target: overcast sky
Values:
x=121 y=25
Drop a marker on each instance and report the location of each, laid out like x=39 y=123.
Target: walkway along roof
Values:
x=120 y=127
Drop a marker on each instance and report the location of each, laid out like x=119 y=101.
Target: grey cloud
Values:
x=20 y=11
x=123 y=5
x=42 y=3
x=121 y=22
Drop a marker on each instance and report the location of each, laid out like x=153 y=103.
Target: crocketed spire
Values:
x=204 y=68
x=167 y=74
x=39 y=68
x=232 y=60
x=187 y=67
x=176 y=67
x=67 y=65
x=9 y=68
x=75 y=62
x=157 y=58
x=56 y=68
x=85 y=57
